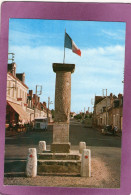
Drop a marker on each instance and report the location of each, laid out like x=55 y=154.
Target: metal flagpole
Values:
x=64 y=48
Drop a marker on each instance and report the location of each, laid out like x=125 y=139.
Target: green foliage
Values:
x=81 y=116
x=78 y=116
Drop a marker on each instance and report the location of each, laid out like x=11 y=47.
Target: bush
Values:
x=78 y=116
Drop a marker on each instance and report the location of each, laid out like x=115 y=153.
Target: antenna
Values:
x=12 y=57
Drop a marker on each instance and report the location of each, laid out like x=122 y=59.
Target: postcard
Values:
x=65 y=98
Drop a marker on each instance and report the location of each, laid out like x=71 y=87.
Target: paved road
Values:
x=106 y=154
x=17 y=146
x=78 y=132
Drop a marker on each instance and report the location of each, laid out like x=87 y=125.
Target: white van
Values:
x=41 y=123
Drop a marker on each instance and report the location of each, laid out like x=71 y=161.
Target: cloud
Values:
x=97 y=69
x=32 y=39
x=118 y=35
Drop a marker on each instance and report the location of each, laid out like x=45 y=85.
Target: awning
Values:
x=19 y=110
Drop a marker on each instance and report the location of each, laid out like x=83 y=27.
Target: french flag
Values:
x=69 y=43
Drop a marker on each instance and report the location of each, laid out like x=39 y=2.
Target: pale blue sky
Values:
x=39 y=43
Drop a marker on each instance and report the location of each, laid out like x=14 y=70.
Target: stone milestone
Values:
x=62 y=107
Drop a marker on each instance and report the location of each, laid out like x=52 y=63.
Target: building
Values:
x=35 y=108
x=100 y=114
x=16 y=96
x=22 y=106
x=72 y=114
x=116 y=112
x=108 y=111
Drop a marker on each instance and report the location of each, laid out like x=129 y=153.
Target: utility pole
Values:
x=84 y=112
x=92 y=102
x=49 y=102
x=106 y=103
x=37 y=92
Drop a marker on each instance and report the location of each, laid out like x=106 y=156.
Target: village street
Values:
x=105 y=151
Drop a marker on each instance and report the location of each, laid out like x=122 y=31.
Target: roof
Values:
x=98 y=99
x=18 y=80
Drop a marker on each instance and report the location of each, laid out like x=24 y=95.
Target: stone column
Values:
x=62 y=107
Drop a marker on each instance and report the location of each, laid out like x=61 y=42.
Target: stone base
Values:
x=61 y=133
x=60 y=148
x=69 y=163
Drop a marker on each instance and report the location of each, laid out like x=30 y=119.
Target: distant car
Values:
x=41 y=123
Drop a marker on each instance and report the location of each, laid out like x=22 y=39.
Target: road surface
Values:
x=105 y=152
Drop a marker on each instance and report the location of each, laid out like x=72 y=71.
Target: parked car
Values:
x=41 y=123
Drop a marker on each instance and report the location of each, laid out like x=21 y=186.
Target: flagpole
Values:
x=64 y=49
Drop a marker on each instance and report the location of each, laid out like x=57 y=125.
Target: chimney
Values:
x=31 y=93
x=111 y=99
x=44 y=103
x=21 y=77
x=119 y=96
x=12 y=68
x=111 y=95
x=38 y=99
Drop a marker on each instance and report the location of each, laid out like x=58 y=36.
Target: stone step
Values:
x=59 y=166
x=58 y=156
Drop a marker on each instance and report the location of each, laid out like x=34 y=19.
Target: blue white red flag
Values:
x=69 y=43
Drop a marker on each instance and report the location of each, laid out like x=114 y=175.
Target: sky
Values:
x=38 y=43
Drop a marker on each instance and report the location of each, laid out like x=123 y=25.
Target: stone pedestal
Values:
x=62 y=107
